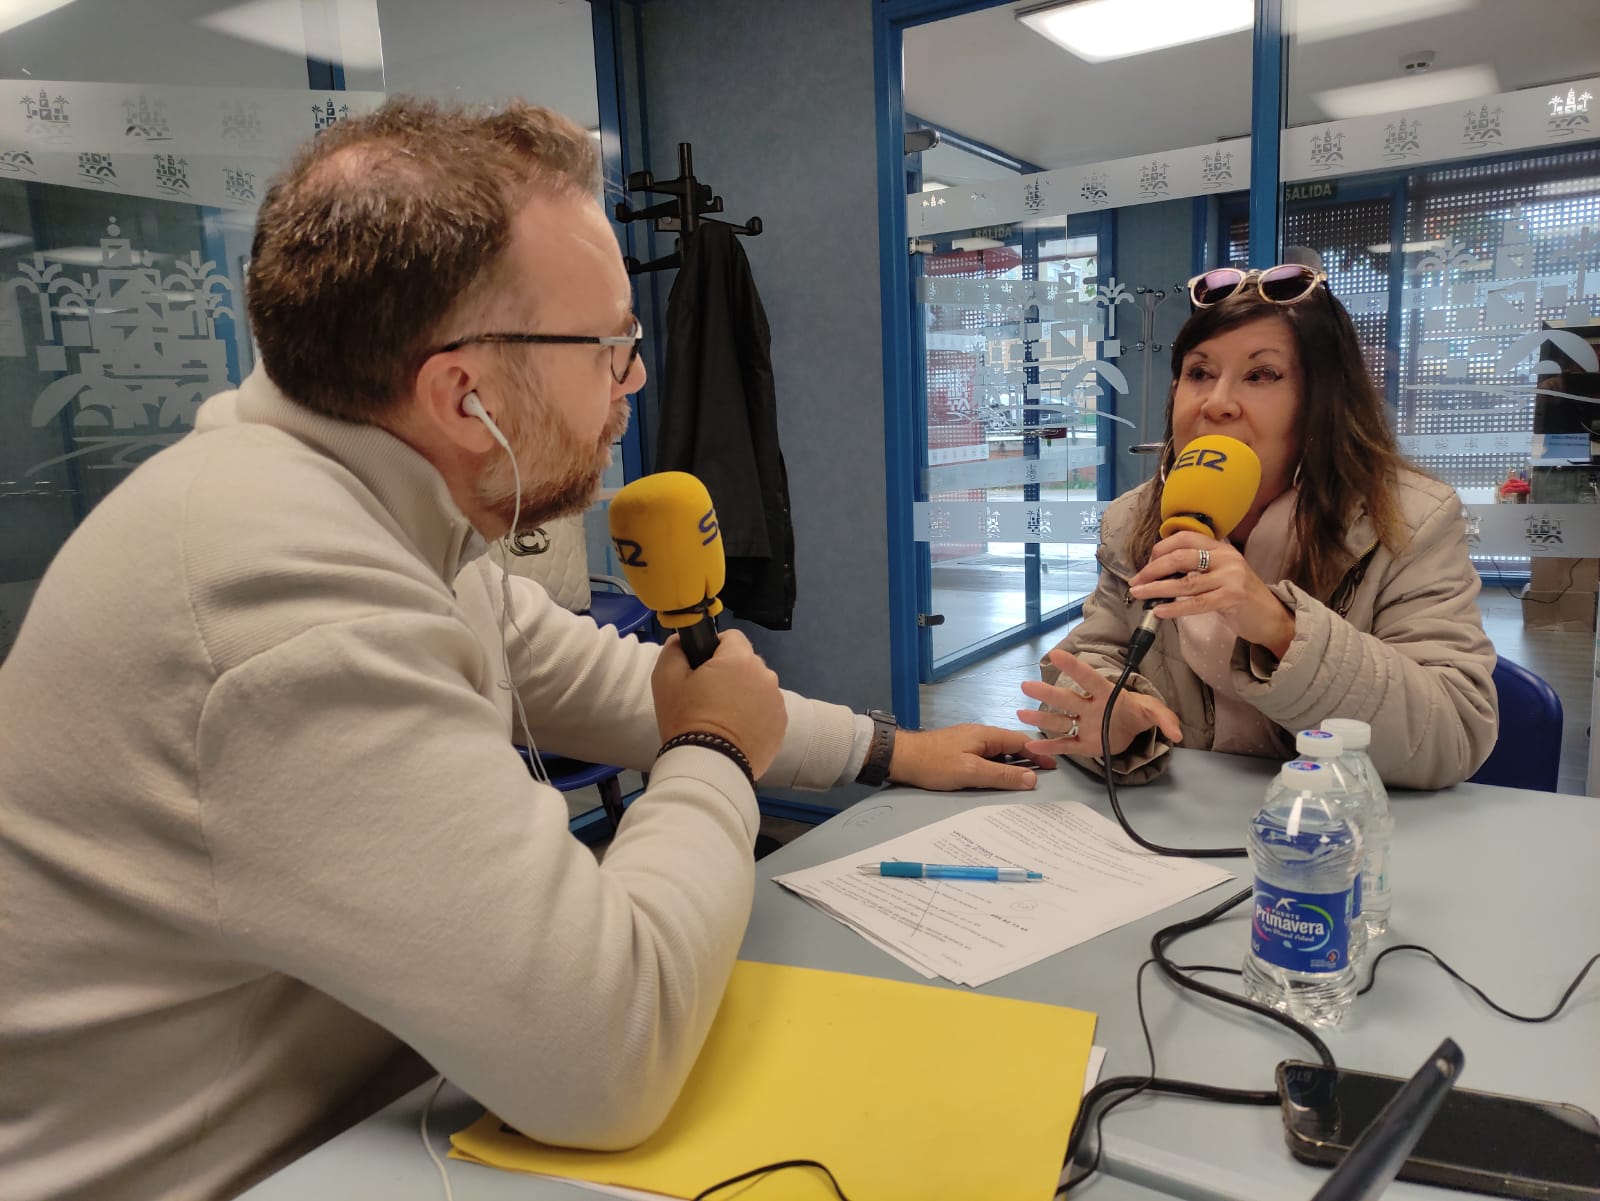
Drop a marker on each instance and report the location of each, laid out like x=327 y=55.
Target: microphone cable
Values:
x=1119 y=1089
x=1132 y=1086
x=1136 y=649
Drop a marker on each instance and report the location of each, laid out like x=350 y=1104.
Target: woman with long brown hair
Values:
x=1346 y=591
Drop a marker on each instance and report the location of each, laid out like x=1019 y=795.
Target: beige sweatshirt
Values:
x=262 y=827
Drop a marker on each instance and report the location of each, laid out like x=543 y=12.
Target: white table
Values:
x=1500 y=882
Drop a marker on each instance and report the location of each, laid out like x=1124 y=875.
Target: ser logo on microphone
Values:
x=708 y=527
x=630 y=552
x=1201 y=456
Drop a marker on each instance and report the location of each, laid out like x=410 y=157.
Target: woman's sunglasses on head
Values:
x=1286 y=283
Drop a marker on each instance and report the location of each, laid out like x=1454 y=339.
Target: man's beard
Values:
x=560 y=477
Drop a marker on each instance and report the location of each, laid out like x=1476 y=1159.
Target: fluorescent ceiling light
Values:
x=1321 y=20
x=1409 y=91
x=1097 y=30
x=19 y=12
x=280 y=25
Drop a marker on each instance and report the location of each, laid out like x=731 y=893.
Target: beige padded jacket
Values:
x=1398 y=644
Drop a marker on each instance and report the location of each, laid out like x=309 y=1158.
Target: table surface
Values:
x=1476 y=870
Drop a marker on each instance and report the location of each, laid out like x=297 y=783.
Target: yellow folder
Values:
x=906 y=1092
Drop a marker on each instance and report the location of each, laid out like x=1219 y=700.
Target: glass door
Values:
x=1012 y=454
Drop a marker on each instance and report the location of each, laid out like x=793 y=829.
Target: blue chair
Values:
x=1528 y=752
x=621 y=609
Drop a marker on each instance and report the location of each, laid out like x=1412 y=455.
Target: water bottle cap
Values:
x=1357 y=735
x=1306 y=776
x=1318 y=744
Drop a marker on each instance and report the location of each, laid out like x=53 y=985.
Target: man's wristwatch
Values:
x=875 y=770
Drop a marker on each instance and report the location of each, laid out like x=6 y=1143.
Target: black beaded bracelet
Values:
x=711 y=742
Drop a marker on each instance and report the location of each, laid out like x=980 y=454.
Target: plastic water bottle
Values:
x=1307 y=859
x=1377 y=827
x=1324 y=746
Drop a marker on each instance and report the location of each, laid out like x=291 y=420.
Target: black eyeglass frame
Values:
x=1313 y=277
x=630 y=340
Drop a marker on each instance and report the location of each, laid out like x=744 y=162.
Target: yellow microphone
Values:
x=1210 y=488
x=666 y=534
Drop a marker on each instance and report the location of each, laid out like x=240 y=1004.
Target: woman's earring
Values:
x=1166 y=461
x=1294 y=482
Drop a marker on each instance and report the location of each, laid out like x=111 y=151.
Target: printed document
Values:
x=972 y=932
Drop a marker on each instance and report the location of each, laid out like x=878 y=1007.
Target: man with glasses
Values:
x=265 y=841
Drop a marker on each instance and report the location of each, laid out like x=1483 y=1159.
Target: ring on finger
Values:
x=1073 y=731
x=1205 y=560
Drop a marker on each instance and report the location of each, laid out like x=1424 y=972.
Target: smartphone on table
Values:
x=1480 y=1142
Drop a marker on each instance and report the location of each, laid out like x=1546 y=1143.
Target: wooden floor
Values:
x=988 y=691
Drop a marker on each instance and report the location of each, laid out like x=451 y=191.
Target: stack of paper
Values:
x=905 y=1092
x=972 y=932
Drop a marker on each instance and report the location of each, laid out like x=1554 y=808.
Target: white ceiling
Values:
x=987 y=76
x=474 y=51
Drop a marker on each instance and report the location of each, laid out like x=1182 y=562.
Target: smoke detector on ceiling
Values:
x=1417 y=61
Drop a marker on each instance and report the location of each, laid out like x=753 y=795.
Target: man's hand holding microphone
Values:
x=669 y=542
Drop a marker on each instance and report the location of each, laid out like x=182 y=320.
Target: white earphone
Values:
x=473 y=407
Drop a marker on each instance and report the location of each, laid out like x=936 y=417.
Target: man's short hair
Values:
x=384 y=230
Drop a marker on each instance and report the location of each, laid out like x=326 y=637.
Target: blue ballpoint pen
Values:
x=948 y=871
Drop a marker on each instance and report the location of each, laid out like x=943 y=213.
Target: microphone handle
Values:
x=699 y=641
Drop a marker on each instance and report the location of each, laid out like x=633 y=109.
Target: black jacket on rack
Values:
x=719 y=420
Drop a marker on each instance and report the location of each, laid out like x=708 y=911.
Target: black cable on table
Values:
x=1482 y=996
x=1111 y=786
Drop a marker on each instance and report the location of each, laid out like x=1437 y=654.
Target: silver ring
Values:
x=1205 y=560
x=1073 y=732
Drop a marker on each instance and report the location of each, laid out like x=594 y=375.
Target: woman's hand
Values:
x=1079 y=701
x=1214 y=578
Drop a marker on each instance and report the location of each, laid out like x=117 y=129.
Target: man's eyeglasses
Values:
x=624 y=347
x=1286 y=283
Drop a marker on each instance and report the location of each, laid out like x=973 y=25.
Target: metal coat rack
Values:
x=685 y=212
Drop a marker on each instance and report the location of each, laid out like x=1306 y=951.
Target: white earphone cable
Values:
x=473 y=406
x=427 y=1145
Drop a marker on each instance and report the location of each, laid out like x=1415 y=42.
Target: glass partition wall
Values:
x=1439 y=159
x=135 y=144
x=1047 y=262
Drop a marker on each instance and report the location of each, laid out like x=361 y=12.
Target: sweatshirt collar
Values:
x=404 y=483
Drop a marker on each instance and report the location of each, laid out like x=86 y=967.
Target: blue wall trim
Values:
x=894 y=267
x=919 y=12
x=795 y=811
x=611 y=91
x=1266 y=130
